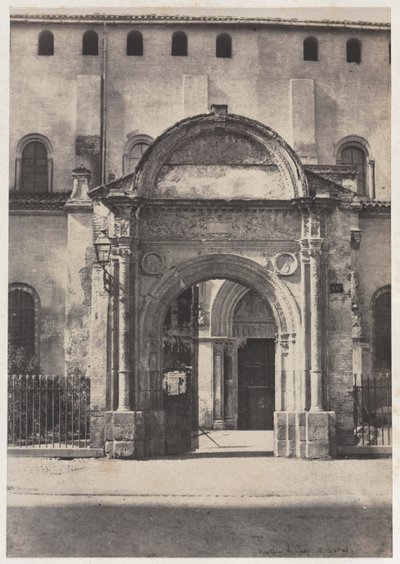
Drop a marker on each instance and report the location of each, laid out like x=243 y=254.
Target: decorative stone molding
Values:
x=153 y=263
x=195 y=224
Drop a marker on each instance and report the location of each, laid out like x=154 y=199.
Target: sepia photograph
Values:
x=199 y=281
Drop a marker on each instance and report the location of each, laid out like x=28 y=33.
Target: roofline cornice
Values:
x=185 y=20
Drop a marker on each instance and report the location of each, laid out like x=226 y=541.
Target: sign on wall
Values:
x=174 y=383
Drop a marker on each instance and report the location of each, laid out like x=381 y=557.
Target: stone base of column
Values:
x=305 y=434
x=218 y=424
x=134 y=434
x=97 y=422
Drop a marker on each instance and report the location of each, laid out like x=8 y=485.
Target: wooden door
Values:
x=256 y=384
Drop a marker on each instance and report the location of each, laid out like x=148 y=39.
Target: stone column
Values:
x=315 y=325
x=229 y=386
x=302 y=397
x=124 y=254
x=218 y=385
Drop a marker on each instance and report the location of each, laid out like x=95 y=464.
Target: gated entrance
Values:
x=216 y=196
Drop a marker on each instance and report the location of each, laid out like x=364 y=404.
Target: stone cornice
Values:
x=49 y=201
x=147 y=19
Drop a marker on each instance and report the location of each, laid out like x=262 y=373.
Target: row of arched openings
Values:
x=179 y=45
x=24 y=321
x=134 y=44
x=353 y=50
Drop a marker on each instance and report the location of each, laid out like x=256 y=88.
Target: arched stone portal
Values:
x=214 y=197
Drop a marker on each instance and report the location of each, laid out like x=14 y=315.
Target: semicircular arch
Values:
x=223 y=307
x=218 y=266
x=269 y=147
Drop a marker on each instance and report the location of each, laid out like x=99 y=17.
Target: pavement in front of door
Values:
x=240 y=503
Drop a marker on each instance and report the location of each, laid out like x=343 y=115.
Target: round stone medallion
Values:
x=285 y=263
x=153 y=263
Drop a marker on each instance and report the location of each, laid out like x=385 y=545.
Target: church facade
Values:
x=200 y=222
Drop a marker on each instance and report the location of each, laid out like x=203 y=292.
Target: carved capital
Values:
x=124 y=252
x=219 y=347
x=230 y=347
x=311 y=226
x=315 y=253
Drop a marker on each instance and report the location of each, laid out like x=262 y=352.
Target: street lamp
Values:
x=102 y=247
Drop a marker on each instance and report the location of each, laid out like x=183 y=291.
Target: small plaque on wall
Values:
x=336 y=288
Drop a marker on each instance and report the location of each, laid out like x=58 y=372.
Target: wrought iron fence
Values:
x=372 y=397
x=48 y=411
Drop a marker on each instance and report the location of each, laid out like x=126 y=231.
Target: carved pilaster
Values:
x=124 y=254
x=355 y=307
x=305 y=316
x=315 y=324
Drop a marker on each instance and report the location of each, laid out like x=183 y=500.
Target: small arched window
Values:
x=46 y=43
x=355 y=155
x=382 y=329
x=179 y=47
x=310 y=49
x=23 y=321
x=134 y=44
x=135 y=146
x=353 y=51
x=90 y=43
x=135 y=153
x=224 y=46
x=34 y=168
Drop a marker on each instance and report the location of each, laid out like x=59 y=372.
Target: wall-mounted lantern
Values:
x=102 y=247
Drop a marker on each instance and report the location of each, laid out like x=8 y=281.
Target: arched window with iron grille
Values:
x=23 y=321
x=34 y=168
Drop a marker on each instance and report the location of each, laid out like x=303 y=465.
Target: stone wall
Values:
x=38 y=253
x=375 y=266
x=338 y=325
x=148 y=94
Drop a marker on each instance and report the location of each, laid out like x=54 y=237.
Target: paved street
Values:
x=202 y=506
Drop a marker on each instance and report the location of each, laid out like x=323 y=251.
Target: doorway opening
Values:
x=218 y=378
